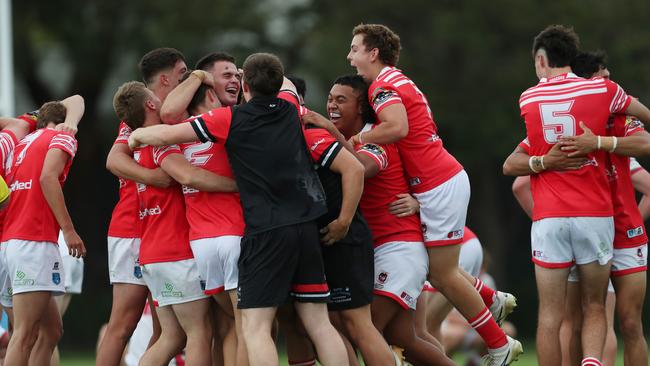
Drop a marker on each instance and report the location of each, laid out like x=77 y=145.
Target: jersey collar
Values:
x=567 y=75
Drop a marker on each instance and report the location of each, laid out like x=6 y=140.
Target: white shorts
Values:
x=173 y=282
x=558 y=242
x=34 y=266
x=574 y=276
x=400 y=271
x=630 y=260
x=73 y=267
x=471 y=257
x=6 y=290
x=123 y=261
x=216 y=260
x=443 y=211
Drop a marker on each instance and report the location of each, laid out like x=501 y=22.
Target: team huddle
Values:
x=242 y=212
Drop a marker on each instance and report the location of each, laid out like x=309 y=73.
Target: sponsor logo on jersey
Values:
x=56 y=278
x=538 y=254
x=170 y=292
x=639 y=252
x=406 y=297
x=434 y=137
x=637 y=231
x=137 y=271
x=150 y=212
x=56 y=266
x=19 y=186
x=315 y=144
x=456 y=234
x=141 y=187
x=380 y=96
x=340 y=294
x=632 y=123
x=189 y=190
x=383 y=276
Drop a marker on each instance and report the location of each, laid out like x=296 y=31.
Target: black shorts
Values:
x=350 y=273
x=279 y=263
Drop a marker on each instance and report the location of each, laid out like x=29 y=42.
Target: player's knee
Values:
x=630 y=325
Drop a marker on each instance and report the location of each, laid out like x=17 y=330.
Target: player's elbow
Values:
x=401 y=130
x=47 y=178
x=167 y=115
x=508 y=169
x=78 y=100
x=520 y=186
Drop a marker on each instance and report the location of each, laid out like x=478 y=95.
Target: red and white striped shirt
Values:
x=552 y=109
x=426 y=161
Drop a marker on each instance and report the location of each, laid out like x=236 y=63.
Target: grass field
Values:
x=527 y=359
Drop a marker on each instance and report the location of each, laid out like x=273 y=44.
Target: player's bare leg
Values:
x=630 y=293
x=225 y=326
x=242 y=352
x=436 y=310
x=373 y=347
x=29 y=309
x=256 y=327
x=611 y=343
x=170 y=341
x=156 y=327
x=337 y=322
x=49 y=334
x=300 y=350
x=593 y=292
x=571 y=326
x=62 y=303
x=329 y=346
x=128 y=303
x=194 y=318
x=390 y=318
x=551 y=289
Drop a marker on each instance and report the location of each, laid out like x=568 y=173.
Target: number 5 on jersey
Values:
x=557 y=121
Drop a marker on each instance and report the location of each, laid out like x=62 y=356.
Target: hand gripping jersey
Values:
x=165 y=232
x=425 y=160
x=629 y=230
x=552 y=109
x=382 y=189
x=211 y=214
x=124 y=220
x=32 y=218
x=267 y=152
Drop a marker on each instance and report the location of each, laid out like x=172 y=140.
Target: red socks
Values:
x=487 y=294
x=488 y=329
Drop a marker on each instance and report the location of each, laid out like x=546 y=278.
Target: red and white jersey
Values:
x=211 y=214
x=425 y=160
x=124 y=220
x=8 y=142
x=32 y=218
x=629 y=230
x=382 y=189
x=165 y=232
x=552 y=109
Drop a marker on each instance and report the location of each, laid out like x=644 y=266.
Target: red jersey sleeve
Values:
x=161 y=152
x=620 y=99
x=213 y=126
x=31 y=118
x=323 y=148
x=376 y=152
x=123 y=134
x=382 y=95
x=524 y=144
x=64 y=142
x=292 y=98
x=633 y=125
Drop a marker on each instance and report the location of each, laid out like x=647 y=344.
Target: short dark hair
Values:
x=158 y=60
x=199 y=95
x=586 y=64
x=359 y=85
x=299 y=83
x=51 y=112
x=560 y=43
x=128 y=103
x=382 y=38
x=264 y=74
x=206 y=62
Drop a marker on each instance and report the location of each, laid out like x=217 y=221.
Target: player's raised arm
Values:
x=393 y=126
x=174 y=108
x=161 y=135
x=184 y=173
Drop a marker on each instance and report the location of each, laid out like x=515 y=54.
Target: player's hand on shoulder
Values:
x=76 y=247
x=71 y=130
x=133 y=139
x=334 y=231
x=404 y=205
x=317 y=120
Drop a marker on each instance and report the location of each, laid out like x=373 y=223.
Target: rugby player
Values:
x=569 y=225
x=161 y=70
x=435 y=178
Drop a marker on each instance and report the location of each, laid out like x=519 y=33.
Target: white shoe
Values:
x=504 y=304
x=502 y=357
x=397 y=353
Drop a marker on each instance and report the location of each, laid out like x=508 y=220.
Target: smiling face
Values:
x=344 y=109
x=362 y=58
x=226 y=82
